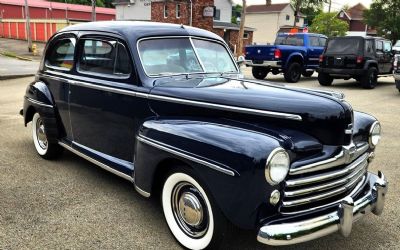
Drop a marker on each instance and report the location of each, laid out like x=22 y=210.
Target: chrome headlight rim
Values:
x=271 y=156
x=371 y=131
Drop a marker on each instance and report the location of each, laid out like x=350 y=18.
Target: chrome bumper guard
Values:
x=273 y=64
x=342 y=220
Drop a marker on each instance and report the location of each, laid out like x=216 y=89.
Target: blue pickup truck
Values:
x=293 y=54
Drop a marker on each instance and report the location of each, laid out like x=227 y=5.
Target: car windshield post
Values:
x=183 y=56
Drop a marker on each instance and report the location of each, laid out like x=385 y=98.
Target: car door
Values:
x=314 y=51
x=58 y=66
x=104 y=106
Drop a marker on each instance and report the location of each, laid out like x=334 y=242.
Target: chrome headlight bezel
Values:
x=374 y=135
x=272 y=176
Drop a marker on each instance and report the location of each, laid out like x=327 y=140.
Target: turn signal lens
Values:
x=277 y=54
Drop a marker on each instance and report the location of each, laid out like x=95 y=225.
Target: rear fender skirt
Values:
x=230 y=161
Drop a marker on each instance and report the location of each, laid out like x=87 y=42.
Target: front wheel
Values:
x=325 y=79
x=260 y=72
x=193 y=218
x=293 y=72
x=45 y=148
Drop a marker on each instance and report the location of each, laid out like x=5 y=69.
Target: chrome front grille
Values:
x=323 y=183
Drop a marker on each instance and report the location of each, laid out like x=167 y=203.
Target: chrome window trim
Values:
x=190 y=38
x=38 y=102
x=180 y=153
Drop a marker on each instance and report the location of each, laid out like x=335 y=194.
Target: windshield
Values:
x=343 y=46
x=173 y=56
x=294 y=40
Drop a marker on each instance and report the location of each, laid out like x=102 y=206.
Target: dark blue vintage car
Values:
x=220 y=150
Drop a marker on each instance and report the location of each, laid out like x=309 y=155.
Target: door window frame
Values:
x=54 y=41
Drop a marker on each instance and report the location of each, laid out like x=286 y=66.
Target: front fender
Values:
x=238 y=185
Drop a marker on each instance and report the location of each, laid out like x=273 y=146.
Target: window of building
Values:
x=246 y=35
x=217 y=14
x=341 y=14
x=105 y=57
x=165 y=10
x=287 y=17
x=178 y=11
x=297 y=19
x=61 y=55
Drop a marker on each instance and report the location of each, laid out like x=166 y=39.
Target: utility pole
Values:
x=330 y=6
x=28 y=26
x=93 y=10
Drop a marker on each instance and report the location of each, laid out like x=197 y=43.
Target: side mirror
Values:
x=240 y=60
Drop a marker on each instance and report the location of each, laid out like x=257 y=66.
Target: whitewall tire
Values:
x=189 y=212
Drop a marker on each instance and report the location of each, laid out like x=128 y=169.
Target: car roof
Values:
x=301 y=33
x=138 y=29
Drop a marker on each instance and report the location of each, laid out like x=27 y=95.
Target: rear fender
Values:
x=297 y=56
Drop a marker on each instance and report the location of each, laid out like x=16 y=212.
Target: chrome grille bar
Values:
x=328 y=175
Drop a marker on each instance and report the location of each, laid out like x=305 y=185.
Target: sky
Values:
x=336 y=4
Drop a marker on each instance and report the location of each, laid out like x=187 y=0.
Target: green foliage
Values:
x=236 y=12
x=99 y=3
x=329 y=25
x=309 y=8
x=384 y=16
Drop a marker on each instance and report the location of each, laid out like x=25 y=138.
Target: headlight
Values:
x=374 y=134
x=277 y=166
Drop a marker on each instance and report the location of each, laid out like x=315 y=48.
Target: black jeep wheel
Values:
x=260 y=72
x=370 y=79
x=308 y=73
x=325 y=79
x=293 y=72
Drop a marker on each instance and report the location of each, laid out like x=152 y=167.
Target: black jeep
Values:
x=361 y=58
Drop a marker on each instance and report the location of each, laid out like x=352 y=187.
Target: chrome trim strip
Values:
x=228 y=108
x=101 y=87
x=180 y=153
x=38 y=102
x=327 y=176
x=287 y=233
x=347 y=154
x=142 y=192
x=96 y=162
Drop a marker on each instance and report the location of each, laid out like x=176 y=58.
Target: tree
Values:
x=298 y=4
x=311 y=11
x=383 y=15
x=329 y=25
x=239 y=49
x=236 y=11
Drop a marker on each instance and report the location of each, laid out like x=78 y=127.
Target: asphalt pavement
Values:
x=15 y=68
x=72 y=204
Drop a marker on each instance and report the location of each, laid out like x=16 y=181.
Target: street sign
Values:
x=208 y=11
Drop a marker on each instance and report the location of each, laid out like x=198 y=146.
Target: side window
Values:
x=387 y=47
x=314 y=41
x=369 y=47
x=379 y=46
x=322 y=41
x=61 y=54
x=105 y=57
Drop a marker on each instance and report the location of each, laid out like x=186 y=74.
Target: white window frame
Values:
x=178 y=10
x=165 y=10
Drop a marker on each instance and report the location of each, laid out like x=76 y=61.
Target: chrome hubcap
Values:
x=190 y=209
x=40 y=134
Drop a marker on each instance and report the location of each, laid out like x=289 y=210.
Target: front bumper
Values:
x=341 y=220
x=271 y=64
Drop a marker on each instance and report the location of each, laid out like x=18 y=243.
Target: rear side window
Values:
x=387 y=46
x=61 y=54
x=369 y=47
x=105 y=57
x=314 y=41
x=379 y=46
x=322 y=41
x=294 y=40
x=344 y=46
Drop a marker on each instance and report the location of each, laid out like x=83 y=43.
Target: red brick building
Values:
x=354 y=17
x=46 y=17
x=178 y=11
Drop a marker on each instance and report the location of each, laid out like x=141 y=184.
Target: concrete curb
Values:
x=8 y=77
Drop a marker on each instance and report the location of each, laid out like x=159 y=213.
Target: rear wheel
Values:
x=192 y=216
x=370 y=79
x=45 y=148
x=260 y=72
x=325 y=79
x=308 y=73
x=293 y=72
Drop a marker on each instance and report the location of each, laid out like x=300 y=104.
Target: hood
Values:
x=320 y=114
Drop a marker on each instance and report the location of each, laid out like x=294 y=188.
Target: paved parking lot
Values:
x=71 y=204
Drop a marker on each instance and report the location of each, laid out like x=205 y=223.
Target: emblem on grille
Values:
x=259 y=51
